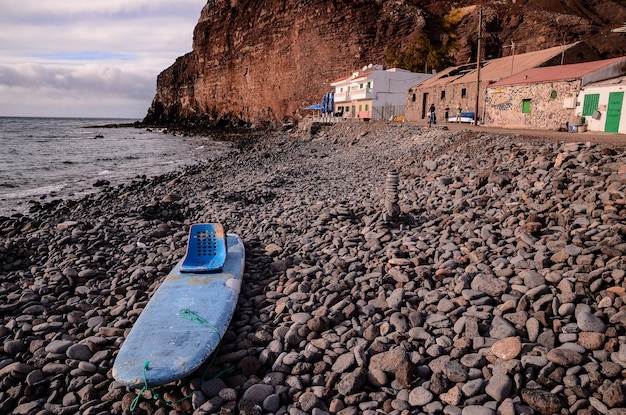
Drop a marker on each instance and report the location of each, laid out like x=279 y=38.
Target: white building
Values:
x=374 y=93
x=603 y=106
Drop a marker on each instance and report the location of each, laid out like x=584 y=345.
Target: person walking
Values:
x=458 y=114
x=432 y=118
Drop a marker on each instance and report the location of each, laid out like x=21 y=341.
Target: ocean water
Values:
x=43 y=159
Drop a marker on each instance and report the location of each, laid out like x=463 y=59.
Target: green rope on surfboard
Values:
x=191 y=316
x=145 y=387
x=187 y=314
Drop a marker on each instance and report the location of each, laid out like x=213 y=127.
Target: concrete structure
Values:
x=374 y=93
x=458 y=86
x=550 y=97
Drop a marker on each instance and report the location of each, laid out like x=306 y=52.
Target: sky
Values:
x=89 y=58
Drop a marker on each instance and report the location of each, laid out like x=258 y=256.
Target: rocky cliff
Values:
x=265 y=60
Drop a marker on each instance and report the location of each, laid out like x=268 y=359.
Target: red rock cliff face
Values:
x=266 y=60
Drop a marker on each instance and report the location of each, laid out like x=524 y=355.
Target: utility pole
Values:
x=512 y=55
x=480 y=26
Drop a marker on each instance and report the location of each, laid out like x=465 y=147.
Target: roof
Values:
x=351 y=78
x=495 y=69
x=363 y=75
x=558 y=73
x=620 y=80
x=345 y=78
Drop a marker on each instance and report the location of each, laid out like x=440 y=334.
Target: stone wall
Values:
x=417 y=110
x=503 y=105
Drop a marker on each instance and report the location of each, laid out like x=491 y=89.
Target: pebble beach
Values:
x=390 y=268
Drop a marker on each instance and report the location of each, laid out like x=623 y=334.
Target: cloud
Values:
x=89 y=90
x=34 y=9
x=80 y=56
x=86 y=80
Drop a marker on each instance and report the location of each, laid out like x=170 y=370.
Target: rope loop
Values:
x=145 y=387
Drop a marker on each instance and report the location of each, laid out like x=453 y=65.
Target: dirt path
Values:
x=617 y=140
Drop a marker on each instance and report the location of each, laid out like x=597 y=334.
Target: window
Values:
x=590 y=104
x=347 y=109
x=367 y=107
x=464 y=93
x=525 y=106
x=414 y=97
x=341 y=89
x=443 y=94
x=360 y=108
x=369 y=85
x=360 y=86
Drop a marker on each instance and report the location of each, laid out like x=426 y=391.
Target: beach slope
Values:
x=389 y=268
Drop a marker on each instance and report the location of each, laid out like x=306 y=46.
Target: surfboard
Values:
x=185 y=319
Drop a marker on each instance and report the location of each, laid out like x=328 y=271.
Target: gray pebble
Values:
x=589 y=322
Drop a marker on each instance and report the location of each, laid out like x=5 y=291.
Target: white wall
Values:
x=390 y=86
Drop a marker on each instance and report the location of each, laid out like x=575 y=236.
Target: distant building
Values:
x=557 y=97
x=374 y=93
x=458 y=86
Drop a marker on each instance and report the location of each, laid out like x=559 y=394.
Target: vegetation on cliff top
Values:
x=424 y=55
x=421 y=55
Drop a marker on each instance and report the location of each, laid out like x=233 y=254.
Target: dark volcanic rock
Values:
x=543 y=402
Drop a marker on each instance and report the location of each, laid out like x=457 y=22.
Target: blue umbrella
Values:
x=324 y=103
x=331 y=102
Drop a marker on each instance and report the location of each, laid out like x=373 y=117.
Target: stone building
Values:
x=458 y=86
x=550 y=97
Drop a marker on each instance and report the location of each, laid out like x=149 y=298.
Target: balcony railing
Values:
x=365 y=93
x=342 y=96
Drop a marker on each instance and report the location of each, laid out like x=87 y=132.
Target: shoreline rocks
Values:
x=497 y=286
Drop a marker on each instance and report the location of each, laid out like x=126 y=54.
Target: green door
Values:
x=613 y=112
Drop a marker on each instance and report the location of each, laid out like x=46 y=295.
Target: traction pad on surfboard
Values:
x=206 y=249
